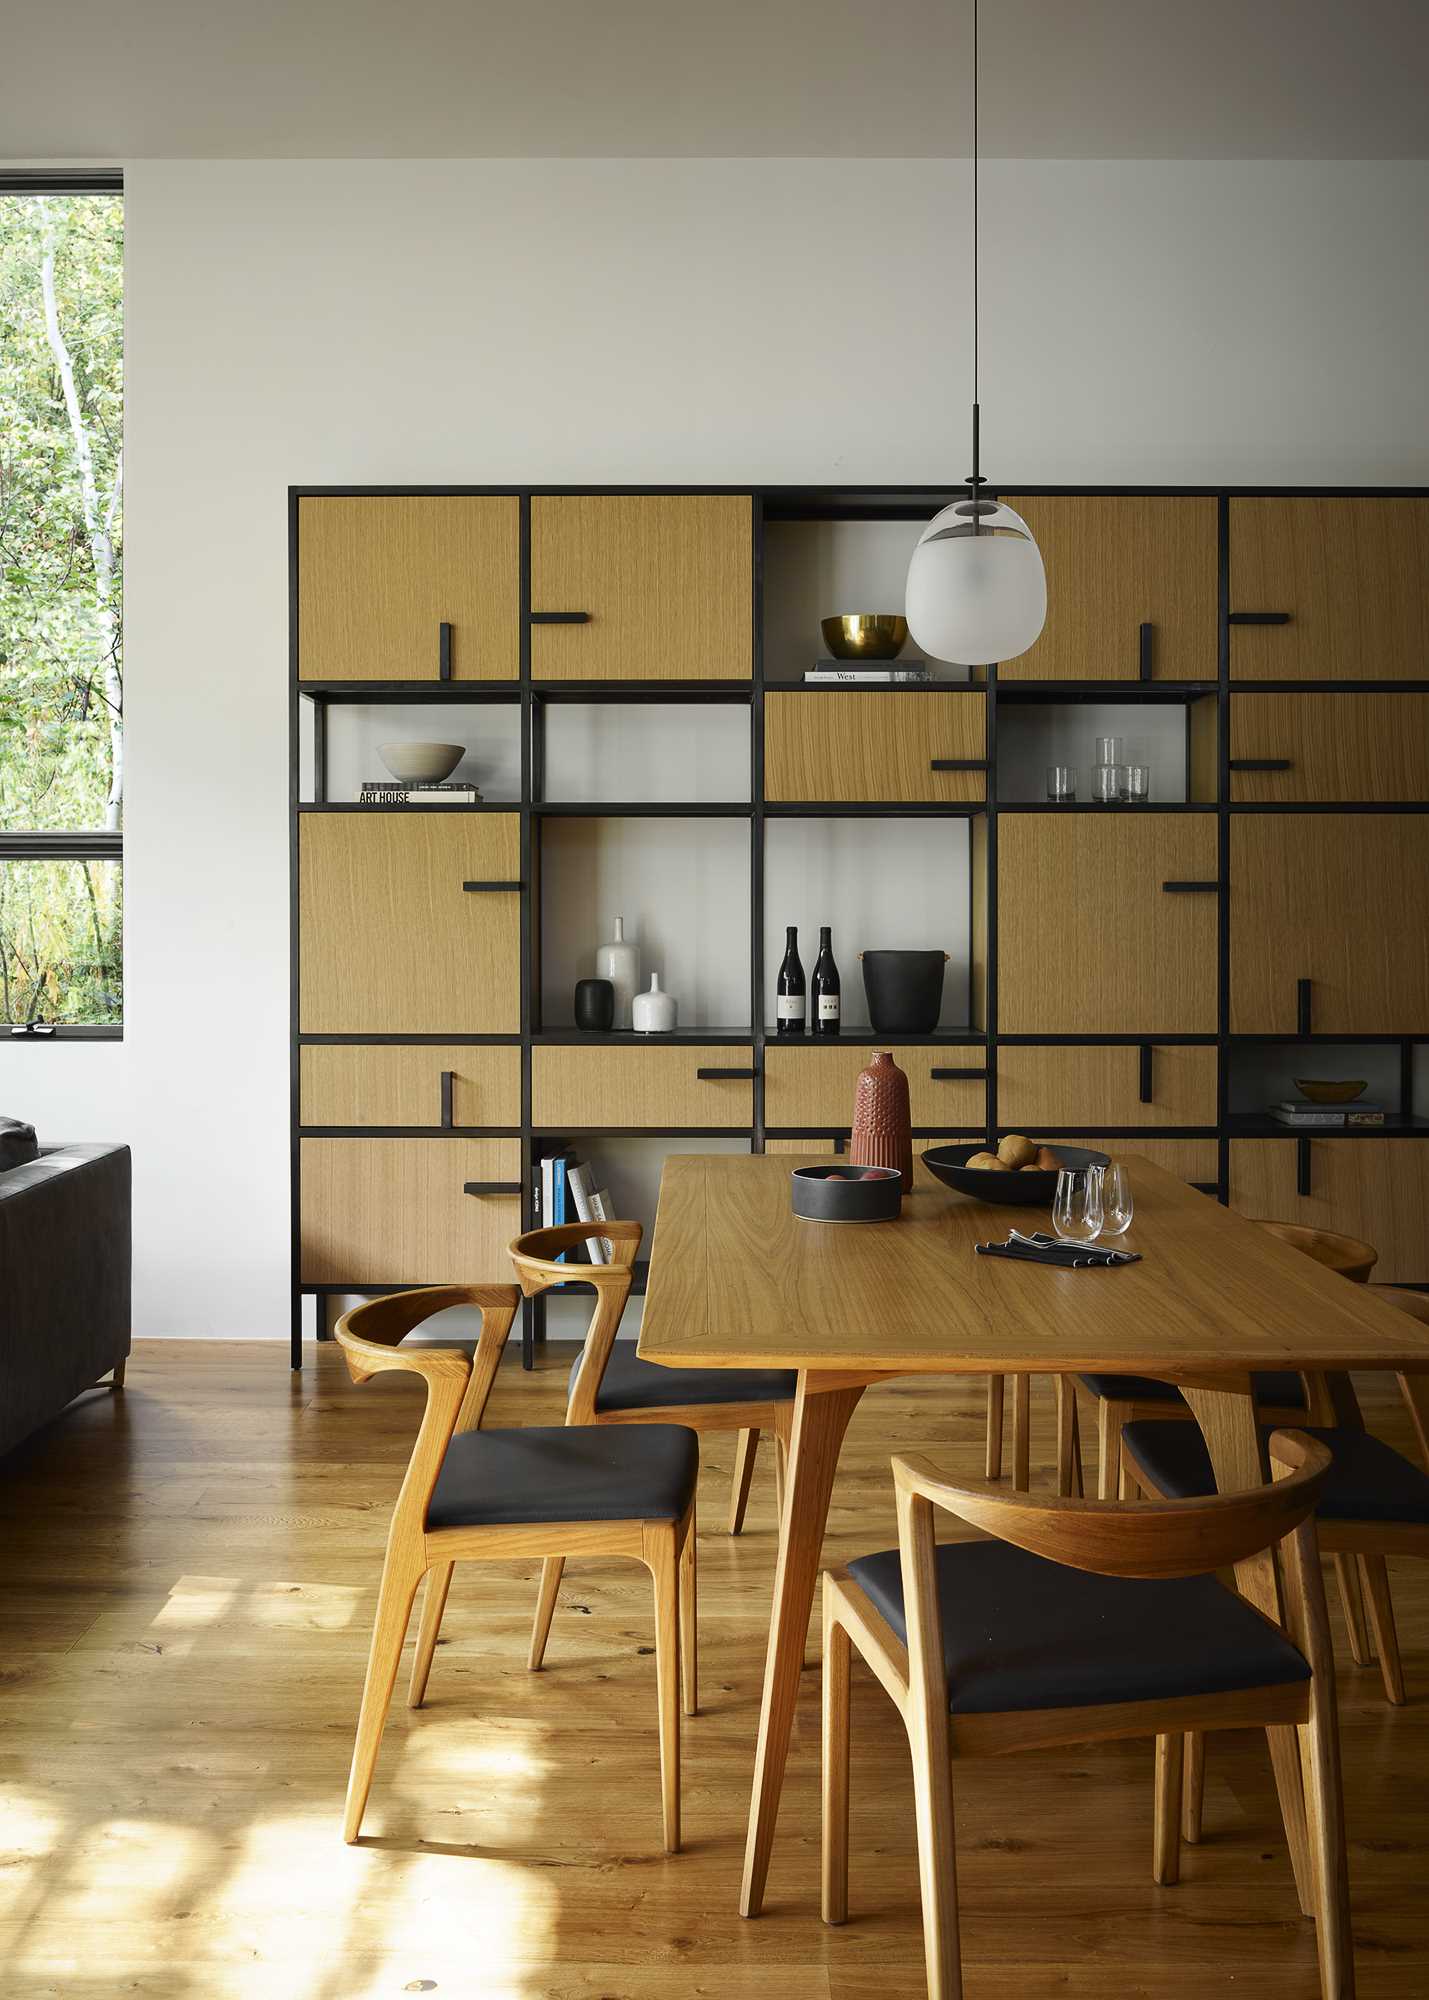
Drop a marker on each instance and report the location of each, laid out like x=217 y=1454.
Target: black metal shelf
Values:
x=643 y=809
x=408 y=806
x=1106 y=806
x=1397 y=1125
x=736 y=692
x=445 y=692
x=870 y=1038
x=561 y=1037
x=1044 y=693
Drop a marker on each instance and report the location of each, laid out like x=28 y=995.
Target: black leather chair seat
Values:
x=1021 y=1632
x=1279 y=1389
x=581 y=1472
x=1368 y=1481
x=633 y=1384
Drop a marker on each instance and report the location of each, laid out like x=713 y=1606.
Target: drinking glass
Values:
x=1138 y=783
x=1108 y=750
x=1106 y=784
x=1116 y=1200
x=1077 y=1205
x=1061 y=782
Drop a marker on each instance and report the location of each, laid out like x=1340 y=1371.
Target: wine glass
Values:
x=1077 y=1205
x=1116 y=1199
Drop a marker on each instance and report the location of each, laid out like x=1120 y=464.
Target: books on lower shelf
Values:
x=1322 y=1117
x=387 y=792
x=564 y=1190
x=839 y=673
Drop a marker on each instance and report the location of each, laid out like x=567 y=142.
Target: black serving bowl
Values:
x=846 y=1194
x=1007 y=1189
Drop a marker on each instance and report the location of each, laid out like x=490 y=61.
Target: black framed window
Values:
x=61 y=604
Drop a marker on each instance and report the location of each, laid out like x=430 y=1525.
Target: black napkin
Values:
x=1063 y=1256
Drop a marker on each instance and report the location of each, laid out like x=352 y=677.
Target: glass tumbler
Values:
x=1077 y=1205
x=1106 y=784
x=1108 y=750
x=1061 y=782
x=1138 y=783
x=1116 y=1200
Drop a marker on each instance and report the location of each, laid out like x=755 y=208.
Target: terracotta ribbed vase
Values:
x=882 y=1127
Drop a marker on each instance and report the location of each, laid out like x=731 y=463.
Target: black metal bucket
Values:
x=904 y=990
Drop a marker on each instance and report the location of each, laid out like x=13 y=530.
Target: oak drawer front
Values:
x=599 y=1085
x=387 y=1085
x=874 y=745
x=1376 y=1189
x=1346 y=583
x=1338 y=900
x=379 y=575
x=1107 y=925
x=392 y=940
x=1192 y=1160
x=642 y=586
x=1360 y=748
x=1098 y=1086
x=395 y=1211
x=814 y=1086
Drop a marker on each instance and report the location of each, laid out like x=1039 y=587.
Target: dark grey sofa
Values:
x=64 y=1280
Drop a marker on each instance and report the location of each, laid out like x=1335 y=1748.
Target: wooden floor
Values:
x=187 y=1574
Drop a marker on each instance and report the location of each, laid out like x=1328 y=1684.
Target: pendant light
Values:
x=977 y=591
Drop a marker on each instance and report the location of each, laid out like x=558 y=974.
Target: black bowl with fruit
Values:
x=1020 y=1174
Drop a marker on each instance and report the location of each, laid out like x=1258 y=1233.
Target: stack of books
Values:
x=838 y=673
x=563 y=1189
x=1322 y=1117
x=389 y=792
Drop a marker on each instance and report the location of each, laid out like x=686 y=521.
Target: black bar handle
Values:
x=725 y=1075
x=958 y=1075
x=1302 y=1006
x=1147 y=1092
x=1258 y=618
x=447 y=1100
x=1190 y=888
x=491 y=1187
x=1302 y=1166
x=1146 y=640
x=958 y=764
x=560 y=618
x=492 y=888
x=444 y=652
x=1259 y=764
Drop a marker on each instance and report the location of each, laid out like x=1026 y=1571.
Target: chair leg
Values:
x=689 y=1618
x=434 y=1603
x=116 y=1379
x=551 y=1570
x=1193 y=1787
x=663 y=1560
x=995 y=1387
x=1069 y=1446
x=746 y=1445
x=1348 y=1583
x=1022 y=1433
x=1110 y=1418
x=389 y=1629
x=1166 y=1844
x=837 y=1662
x=781 y=1467
x=1289 y=1783
x=1325 y=1832
x=1381 y=1619
x=937 y=1855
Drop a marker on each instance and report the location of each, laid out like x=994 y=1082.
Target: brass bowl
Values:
x=865 y=635
x=1320 y=1092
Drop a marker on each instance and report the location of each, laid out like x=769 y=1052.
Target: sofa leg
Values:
x=116 y=1380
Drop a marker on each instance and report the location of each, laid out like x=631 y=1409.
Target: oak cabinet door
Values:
x=1376 y=1189
x=642 y=586
x=390 y=938
x=1193 y=1160
x=379 y=576
x=397 y=1211
x=1348 y=578
x=1039 y=1088
x=1355 y=748
x=813 y=1085
x=874 y=745
x=384 y=1084
x=1115 y=564
x=1341 y=900
x=1091 y=940
x=583 y=1084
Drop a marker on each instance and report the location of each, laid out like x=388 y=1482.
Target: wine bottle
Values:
x=824 y=1014
x=790 y=1005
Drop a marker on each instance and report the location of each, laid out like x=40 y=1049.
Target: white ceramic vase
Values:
x=619 y=962
x=654 y=1011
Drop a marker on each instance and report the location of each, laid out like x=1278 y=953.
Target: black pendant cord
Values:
x=975 y=480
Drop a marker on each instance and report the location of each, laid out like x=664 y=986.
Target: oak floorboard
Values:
x=188 y=1574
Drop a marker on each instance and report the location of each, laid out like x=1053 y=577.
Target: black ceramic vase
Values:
x=904 y=990
x=595 y=1005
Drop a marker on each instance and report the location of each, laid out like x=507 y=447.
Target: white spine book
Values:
x=578 y=1180
x=600 y=1212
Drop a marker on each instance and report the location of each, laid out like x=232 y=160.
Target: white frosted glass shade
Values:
x=976 y=598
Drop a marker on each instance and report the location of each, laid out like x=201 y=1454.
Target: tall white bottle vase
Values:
x=654 y=1012
x=619 y=962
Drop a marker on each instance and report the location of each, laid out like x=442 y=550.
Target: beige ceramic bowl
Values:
x=421 y=763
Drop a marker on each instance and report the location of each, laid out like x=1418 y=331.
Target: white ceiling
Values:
x=1192 y=79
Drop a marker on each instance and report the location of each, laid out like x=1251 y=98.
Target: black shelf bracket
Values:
x=726 y=1075
x=444 y=651
x=1302 y=1007
x=1146 y=640
x=560 y=618
x=493 y=888
x=1191 y=888
x=1146 y=1082
x=1258 y=618
x=1302 y=1166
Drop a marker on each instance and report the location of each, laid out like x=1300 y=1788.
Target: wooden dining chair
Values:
x=1074 y=1620
x=608 y=1386
x=1069 y=1442
x=508 y=1495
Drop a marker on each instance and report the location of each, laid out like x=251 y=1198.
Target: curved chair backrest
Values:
x=1416 y=1304
x=1345 y=1254
x=1131 y=1538
x=535 y=1257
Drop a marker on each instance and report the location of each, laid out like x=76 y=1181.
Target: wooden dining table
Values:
x=737 y=1280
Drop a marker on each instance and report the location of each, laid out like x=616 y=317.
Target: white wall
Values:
x=624 y=321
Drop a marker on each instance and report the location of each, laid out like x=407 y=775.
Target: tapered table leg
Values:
x=822 y=1408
